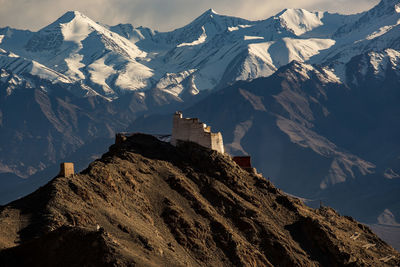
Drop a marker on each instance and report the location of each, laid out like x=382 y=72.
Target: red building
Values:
x=243 y=161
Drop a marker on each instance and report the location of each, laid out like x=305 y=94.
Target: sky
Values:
x=162 y=15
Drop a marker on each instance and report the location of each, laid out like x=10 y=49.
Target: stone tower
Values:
x=66 y=169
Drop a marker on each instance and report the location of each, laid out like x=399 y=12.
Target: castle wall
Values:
x=217 y=142
x=191 y=129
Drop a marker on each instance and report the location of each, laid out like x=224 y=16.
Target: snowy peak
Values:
x=75 y=33
x=85 y=51
x=75 y=20
x=204 y=27
x=209 y=13
x=72 y=26
x=212 y=11
x=299 y=21
x=70 y=16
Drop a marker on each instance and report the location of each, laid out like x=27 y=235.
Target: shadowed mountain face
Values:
x=51 y=123
x=147 y=203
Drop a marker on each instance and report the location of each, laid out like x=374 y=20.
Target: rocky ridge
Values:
x=147 y=203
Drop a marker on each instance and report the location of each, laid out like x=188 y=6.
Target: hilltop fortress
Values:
x=191 y=129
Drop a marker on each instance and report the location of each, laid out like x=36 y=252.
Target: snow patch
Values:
x=135 y=76
x=74 y=64
x=99 y=73
x=46 y=73
x=236 y=28
x=381 y=31
x=397 y=8
x=253 y=38
x=261 y=50
x=172 y=82
x=258 y=63
x=76 y=30
x=303 y=49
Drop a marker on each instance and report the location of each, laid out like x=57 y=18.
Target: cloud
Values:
x=158 y=14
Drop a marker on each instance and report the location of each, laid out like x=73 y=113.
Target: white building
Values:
x=191 y=129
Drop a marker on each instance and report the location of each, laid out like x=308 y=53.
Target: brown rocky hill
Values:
x=147 y=203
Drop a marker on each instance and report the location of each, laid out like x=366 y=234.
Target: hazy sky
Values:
x=159 y=14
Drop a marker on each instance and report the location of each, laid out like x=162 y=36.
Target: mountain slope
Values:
x=148 y=203
x=22 y=66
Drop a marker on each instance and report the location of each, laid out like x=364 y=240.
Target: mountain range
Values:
x=211 y=52
x=312 y=96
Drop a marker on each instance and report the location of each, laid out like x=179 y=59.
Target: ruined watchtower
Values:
x=66 y=169
x=191 y=129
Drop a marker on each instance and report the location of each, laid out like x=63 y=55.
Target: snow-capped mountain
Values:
x=374 y=31
x=85 y=52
